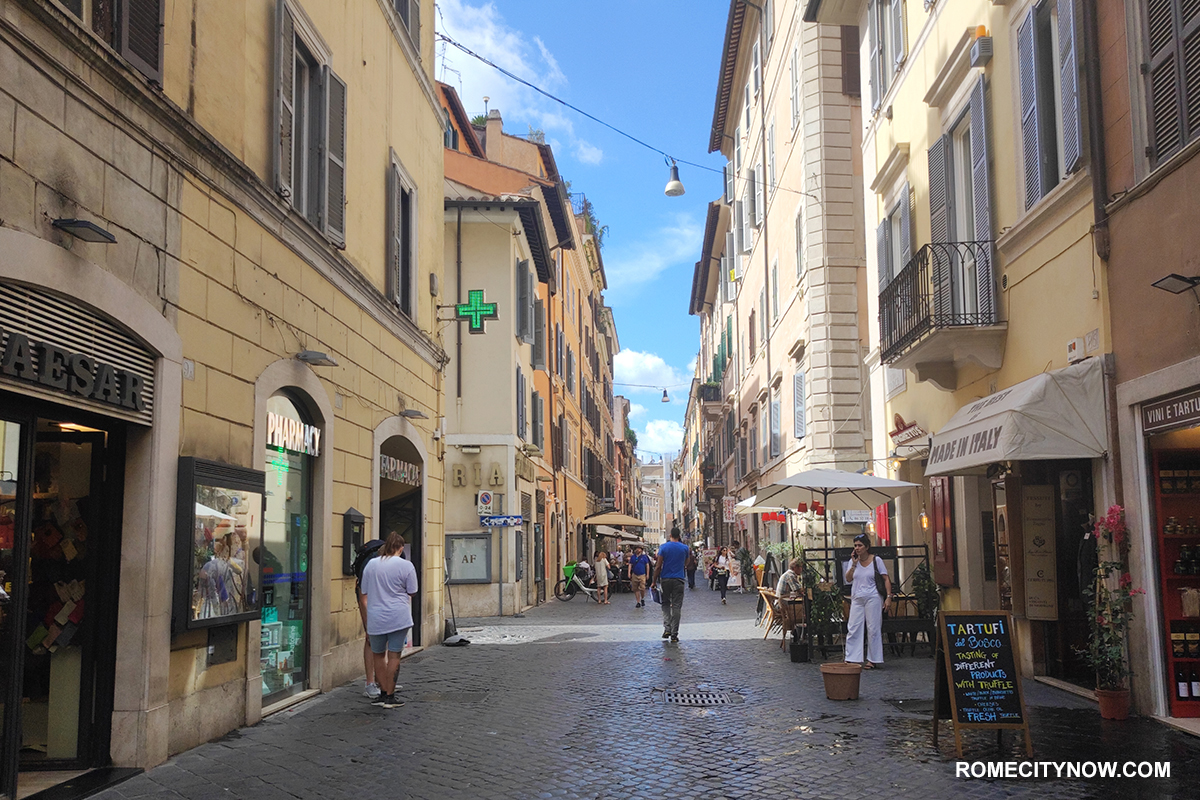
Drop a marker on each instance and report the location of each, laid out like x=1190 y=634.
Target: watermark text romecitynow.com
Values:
x=1062 y=769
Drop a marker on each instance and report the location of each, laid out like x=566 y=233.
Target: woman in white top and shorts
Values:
x=602 y=577
x=866 y=604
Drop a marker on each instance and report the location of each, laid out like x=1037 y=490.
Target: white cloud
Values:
x=482 y=28
x=628 y=265
x=691 y=367
x=636 y=410
x=635 y=372
x=661 y=436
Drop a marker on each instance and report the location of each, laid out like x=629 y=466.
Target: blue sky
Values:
x=650 y=69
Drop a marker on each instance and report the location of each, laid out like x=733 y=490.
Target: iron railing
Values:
x=710 y=392
x=922 y=298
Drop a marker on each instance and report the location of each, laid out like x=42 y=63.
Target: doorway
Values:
x=400 y=502
x=61 y=494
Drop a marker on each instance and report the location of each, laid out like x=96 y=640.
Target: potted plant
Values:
x=1110 y=598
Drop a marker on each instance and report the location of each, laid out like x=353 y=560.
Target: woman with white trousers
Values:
x=864 y=572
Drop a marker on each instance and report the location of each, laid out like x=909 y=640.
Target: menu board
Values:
x=977 y=673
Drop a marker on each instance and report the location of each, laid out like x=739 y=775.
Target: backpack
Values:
x=362 y=555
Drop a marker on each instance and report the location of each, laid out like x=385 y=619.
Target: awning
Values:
x=1058 y=414
x=614 y=518
x=605 y=530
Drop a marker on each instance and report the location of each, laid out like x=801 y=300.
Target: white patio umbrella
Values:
x=837 y=490
x=751 y=506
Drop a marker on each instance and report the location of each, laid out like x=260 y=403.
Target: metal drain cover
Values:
x=920 y=706
x=681 y=698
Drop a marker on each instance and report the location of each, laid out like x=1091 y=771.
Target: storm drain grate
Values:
x=678 y=698
x=913 y=706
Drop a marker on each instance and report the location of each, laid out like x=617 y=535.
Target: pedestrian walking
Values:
x=388 y=583
x=690 y=565
x=639 y=573
x=870 y=585
x=669 y=568
x=721 y=570
x=602 y=577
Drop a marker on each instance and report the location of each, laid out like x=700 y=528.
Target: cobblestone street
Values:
x=561 y=703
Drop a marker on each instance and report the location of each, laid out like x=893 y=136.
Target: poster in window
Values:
x=469 y=558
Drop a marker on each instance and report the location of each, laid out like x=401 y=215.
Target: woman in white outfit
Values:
x=866 y=603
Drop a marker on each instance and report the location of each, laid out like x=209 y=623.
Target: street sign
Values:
x=484 y=504
x=502 y=521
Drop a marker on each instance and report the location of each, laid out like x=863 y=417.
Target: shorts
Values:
x=639 y=582
x=393 y=642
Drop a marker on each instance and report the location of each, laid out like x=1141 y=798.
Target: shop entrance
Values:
x=61 y=490
x=400 y=479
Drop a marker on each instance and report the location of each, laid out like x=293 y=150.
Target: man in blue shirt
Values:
x=639 y=572
x=669 y=567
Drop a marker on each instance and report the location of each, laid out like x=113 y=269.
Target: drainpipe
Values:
x=458 y=299
x=1095 y=122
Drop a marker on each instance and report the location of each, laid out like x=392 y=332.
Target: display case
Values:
x=219 y=523
x=1177 y=519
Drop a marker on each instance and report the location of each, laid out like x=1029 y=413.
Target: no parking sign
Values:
x=484 y=503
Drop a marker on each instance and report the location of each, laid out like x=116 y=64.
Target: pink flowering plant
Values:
x=1111 y=603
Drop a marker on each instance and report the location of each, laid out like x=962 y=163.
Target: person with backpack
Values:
x=389 y=581
x=362 y=555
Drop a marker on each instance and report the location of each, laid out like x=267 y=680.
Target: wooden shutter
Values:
x=414 y=23
x=530 y=301
x=139 y=36
x=762 y=315
x=883 y=241
x=1163 y=90
x=981 y=189
x=751 y=204
x=729 y=182
x=941 y=528
x=851 y=70
x=906 y=248
x=738 y=210
x=940 y=199
x=770 y=157
x=760 y=202
x=521 y=292
x=776 y=423
x=897 y=12
x=394 y=241
x=1031 y=147
x=1072 y=132
x=801 y=426
x=756 y=58
x=873 y=51
x=539 y=335
x=334 y=213
x=285 y=115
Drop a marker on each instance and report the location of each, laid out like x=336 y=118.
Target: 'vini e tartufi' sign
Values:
x=1182 y=410
x=80 y=374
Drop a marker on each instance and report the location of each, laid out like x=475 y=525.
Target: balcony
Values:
x=709 y=395
x=939 y=314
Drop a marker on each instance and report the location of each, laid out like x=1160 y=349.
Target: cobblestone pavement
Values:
x=561 y=703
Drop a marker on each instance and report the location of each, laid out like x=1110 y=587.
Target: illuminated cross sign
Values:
x=476 y=311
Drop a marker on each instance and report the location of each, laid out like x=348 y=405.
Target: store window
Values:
x=286 y=550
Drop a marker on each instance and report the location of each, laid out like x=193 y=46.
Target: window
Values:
x=962 y=218
x=729 y=182
x=744 y=210
x=753 y=445
x=763 y=320
x=570 y=371
x=410 y=15
x=747 y=105
x=538 y=406
x=766 y=432
x=520 y=404
x=886 y=44
x=1051 y=140
x=800 y=422
x=539 y=335
x=559 y=350
x=768 y=23
x=775 y=291
x=450 y=137
x=737 y=152
x=776 y=426
x=894 y=239
x=795 y=79
x=132 y=27
x=1173 y=61
x=310 y=116
x=526 y=283
x=402 y=243
x=799 y=245
x=760 y=195
x=753 y=330
x=771 y=156
x=756 y=69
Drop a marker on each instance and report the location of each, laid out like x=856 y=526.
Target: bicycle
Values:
x=571 y=585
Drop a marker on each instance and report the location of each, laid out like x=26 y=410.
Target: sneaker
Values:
x=666 y=634
x=723 y=599
x=674 y=640
x=372 y=691
x=388 y=701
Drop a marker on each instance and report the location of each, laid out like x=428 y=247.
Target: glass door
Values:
x=14 y=517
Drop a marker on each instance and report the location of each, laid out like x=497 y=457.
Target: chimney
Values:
x=493 y=136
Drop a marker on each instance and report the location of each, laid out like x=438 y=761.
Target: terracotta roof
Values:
x=463 y=122
x=729 y=60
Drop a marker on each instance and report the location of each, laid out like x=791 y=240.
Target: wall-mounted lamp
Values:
x=674 y=186
x=414 y=413
x=315 y=358
x=87 y=231
x=470 y=449
x=924 y=517
x=1176 y=284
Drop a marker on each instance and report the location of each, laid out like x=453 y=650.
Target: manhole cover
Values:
x=913 y=706
x=678 y=698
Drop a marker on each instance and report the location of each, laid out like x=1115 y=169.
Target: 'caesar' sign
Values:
x=80 y=374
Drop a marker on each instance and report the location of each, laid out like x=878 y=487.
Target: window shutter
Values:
x=939 y=224
x=897 y=11
x=414 y=23
x=775 y=291
x=1162 y=79
x=760 y=202
x=883 y=235
x=794 y=79
x=771 y=156
x=981 y=189
x=1030 y=134
x=752 y=198
x=394 y=244
x=851 y=80
x=285 y=68
x=539 y=336
x=1069 y=74
x=530 y=302
x=139 y=40
x=873 y=50
x=747 y=109
x=756 y=58
x=540 y=411
x=763 y=324
x=729 y=182
x=798 y=405
x=776 y=425
x=731 y=266
x=799 y=246
x=334 y=215
x=768 y=24
x=906 y=248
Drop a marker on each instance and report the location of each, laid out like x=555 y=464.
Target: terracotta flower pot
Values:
x=1114 y=703
x=841 y=680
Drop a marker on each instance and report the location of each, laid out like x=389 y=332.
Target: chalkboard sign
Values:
x=976 y=674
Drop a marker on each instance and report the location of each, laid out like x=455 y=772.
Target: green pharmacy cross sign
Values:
x=475 y=311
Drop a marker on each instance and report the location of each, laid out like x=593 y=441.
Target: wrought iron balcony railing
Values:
x=945 y=285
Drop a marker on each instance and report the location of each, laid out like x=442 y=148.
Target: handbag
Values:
x=880 y=585
x=656 y=595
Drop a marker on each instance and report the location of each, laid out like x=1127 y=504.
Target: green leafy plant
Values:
x=825 y=608
x=926 y=590
x=1110 y=600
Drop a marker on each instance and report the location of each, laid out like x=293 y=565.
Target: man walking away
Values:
x=639 y=572
x=690 y=565
x=389 y=582
x=669 y=567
